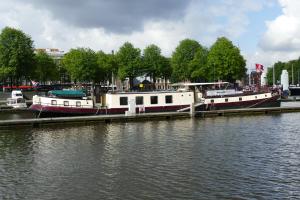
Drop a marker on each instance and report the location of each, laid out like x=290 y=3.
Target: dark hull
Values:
x=270 y=102
x=52 y=111
x=294 y=91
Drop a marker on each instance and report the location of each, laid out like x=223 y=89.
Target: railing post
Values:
x=192 y=109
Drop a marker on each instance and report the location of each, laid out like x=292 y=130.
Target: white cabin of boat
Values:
x=17 y=100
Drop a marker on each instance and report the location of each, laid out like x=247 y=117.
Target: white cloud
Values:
x=204 y=21
x=281 y=41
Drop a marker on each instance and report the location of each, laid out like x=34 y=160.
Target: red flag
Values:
x=259 y=67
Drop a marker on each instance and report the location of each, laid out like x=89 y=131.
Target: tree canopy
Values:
x=45 y=68
x=293 y=68
x=198 y=68
x=81 y=64
x=181 y=58
x=189 y=62
x=225 y=61
x=108 y=65
x=156 y=65
x=129 y=61
x=16 y=54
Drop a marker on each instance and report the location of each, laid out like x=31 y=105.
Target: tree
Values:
x=198 y=66
x=182 y=57
x=129 y=61
x=108 y=65
x=45 y=68
x=293 y=68
x=16 y=54
x=81 y=64
x=165 y=69
x=153 y=62
x=225 y=61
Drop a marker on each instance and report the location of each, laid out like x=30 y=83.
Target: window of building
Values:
x=139 y=100
x=66 y=103
x=240 y=99
x=154 y=99
x=78 y=104
x=226 y=100
x=53 y=102
x=212 y=101
x=169 y=99
x=123 y=101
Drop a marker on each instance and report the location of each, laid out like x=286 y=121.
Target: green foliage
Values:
x=181 y=58
x=293 y=68
x=45 y=68
x=16 y=53
x=108 y=65
x=81 y=64
x=156 y=65
x=165 y=69
x=198 y=66
x=225 y=61
x=129 y=62
x=152 y=60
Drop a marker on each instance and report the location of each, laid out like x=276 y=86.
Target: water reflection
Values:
x=217 y=158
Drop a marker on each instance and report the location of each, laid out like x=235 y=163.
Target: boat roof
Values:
x=199 y=84
x=67 y=93
x=143 y=92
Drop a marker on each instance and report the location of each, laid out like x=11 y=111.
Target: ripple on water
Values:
x=256 y=157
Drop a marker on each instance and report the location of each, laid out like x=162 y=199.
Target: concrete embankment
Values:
x=141 y=117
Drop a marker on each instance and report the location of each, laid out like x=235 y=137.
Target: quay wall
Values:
x=40 y=122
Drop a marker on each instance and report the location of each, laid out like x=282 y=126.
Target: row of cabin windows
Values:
x=66 y=103
x=139 y=100
x=226 y=100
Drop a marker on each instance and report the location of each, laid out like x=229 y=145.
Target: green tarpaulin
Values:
x=67 y=93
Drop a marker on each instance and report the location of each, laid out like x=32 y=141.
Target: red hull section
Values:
x=67 y=111
x=270 y=102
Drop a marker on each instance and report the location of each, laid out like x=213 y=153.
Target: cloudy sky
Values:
x=266 y=31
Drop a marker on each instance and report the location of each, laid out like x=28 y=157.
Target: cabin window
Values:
x=53 y=102
x=123 y=101
x=169 y=99
x=212 y=101
x=265 y=95
x=66 y=103
x=78 y=104
x=240 y=99
x=255 y=97
x=139 y=100
x=20 y=100
x=154 y=99
x=226 y=100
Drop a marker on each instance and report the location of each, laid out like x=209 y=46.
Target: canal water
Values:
x=251 y=157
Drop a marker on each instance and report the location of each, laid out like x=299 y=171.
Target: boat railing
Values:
x=62 y=105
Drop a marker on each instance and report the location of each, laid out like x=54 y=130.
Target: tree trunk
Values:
x=154 y=82
x=165 y=82
x=130 y=83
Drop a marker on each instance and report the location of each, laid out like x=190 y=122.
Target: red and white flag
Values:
x=259 y=67
x=35 y=83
